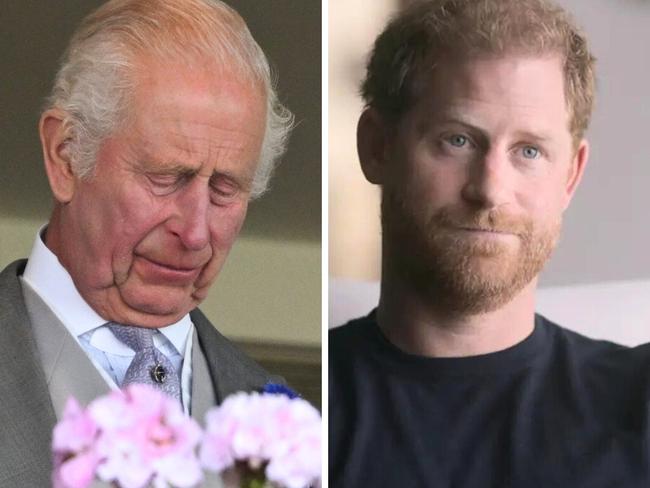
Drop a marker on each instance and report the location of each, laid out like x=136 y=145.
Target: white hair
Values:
x=95 y=82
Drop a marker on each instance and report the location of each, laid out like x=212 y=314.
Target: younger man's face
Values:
x=480 y=170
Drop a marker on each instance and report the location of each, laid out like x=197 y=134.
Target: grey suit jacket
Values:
x=27 y=415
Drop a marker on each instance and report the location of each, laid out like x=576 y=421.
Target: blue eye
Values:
x=457 y=140
x=530 y=152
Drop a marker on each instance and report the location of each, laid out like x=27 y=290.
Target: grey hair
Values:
x=95 y=81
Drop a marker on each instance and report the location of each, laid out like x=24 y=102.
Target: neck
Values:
x=417 y=326
x=52 y=238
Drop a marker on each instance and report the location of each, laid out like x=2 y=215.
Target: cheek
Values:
x=137 y=222
x=102 y=223
x=224 y=229
x=543 y=206
x=433 y=176
x=435 y=187
x=226 y=223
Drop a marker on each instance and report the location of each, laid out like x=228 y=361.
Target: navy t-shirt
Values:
x=556 y=410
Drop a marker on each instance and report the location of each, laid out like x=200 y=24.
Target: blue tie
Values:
x=149 y=366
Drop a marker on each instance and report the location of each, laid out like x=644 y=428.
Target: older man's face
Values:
x=481 y=169
x=149 y=232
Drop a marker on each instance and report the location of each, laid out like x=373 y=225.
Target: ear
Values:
x=55 y=140
x=372 y=145
x=576 y=171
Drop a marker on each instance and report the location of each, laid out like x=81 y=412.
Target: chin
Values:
x=158 y=309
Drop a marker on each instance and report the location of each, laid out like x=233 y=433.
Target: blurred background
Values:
x=606 y=234
x=268 y=297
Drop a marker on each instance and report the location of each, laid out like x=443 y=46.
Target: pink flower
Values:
x=75 y=458
x=139 y=437
x=295 y=459
x=300 y=463
x=145 y=438
x=133 y=438
x=269 y=430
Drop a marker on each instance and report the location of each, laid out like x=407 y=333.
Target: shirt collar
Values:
x=51 y=281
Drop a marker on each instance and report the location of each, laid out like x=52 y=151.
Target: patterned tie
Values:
x=149 y=366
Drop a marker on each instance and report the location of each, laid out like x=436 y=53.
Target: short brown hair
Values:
x=427 y=30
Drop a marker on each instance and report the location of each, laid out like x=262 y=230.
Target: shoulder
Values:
x=598 y=353
x=353 y=349
x=10 y=274
x=352 y=334
x=611 y=382
x=563 y=336
x=11 y=297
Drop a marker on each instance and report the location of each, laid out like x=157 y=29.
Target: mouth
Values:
x=486 y=231
x=172 y=273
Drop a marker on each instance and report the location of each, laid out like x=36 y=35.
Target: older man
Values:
x=162 y=124
x=474 y=129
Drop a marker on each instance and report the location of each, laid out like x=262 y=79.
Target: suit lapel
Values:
x=26 y=413
x=203 y=398
x=230 y=369
x=68 y=370
x=203 y=395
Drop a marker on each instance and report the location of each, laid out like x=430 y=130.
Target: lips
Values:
x=486 y=230
x=176 y=266
x=492 y=222
x=170 y=273
x=173 y=267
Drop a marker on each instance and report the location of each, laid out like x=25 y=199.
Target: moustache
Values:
x=493 y=220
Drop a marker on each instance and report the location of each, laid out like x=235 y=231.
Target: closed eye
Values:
x=165 y=184
x=163 y=180
x=223 y=191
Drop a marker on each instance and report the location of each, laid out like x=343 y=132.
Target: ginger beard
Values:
x=464 y=274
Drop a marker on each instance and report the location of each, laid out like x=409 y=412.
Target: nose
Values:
x=489 y=180
x=191 y=220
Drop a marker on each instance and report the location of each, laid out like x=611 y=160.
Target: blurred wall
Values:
x=606 y=234
x=270 y=288
x=353 y=203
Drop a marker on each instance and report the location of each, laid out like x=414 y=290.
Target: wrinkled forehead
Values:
x=156 y=82
x=174 y=90
x=142 y=64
